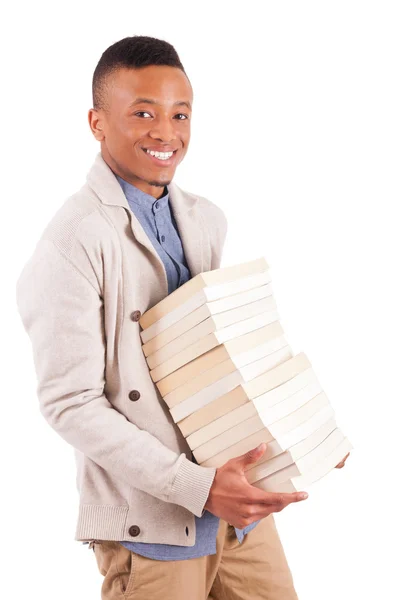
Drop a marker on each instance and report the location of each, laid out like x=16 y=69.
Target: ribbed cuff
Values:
x=191 y=486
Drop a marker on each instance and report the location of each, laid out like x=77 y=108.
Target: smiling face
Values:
x=147 y=110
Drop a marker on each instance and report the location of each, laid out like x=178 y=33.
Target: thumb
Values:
x=253 y=455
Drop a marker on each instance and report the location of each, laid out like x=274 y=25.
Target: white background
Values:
x=295 y=135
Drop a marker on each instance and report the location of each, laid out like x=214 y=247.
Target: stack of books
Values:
x=220 y=360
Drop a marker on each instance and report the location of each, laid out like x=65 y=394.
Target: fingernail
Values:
x=304 y=496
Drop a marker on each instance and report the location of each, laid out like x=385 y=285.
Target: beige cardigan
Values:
x=78 y=296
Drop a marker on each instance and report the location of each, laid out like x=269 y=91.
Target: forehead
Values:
x=165 y=85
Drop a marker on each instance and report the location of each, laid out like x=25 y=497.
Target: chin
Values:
x=160 y=184
x=158 y=180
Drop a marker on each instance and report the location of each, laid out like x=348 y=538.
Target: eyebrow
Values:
x=150 y=101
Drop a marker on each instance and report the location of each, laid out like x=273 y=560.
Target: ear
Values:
x=96 y=123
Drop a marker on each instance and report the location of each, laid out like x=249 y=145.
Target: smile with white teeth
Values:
x=160 y=155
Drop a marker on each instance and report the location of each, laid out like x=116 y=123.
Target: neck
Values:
x=148 y=188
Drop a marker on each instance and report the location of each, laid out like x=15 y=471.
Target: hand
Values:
x=238 y=502
x=341 y=464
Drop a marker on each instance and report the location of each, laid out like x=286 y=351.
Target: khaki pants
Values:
x=256 y=569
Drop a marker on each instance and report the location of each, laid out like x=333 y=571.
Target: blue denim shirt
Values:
x=157 y=220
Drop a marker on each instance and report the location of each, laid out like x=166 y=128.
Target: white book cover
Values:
x=293 y=482
x=224 y=368
x=271 y=414
x=289 y=428
x=307 y=462
x=229 y=438
x=260 y=302
x=225 y=325
x=261 y=288
x=245 y=358
x=224 y=290
x=211 y=341
x=249 y=409
x=286 y=435
x=284 y=390
x=221 y=387
x=292 y=454
x=305 y=429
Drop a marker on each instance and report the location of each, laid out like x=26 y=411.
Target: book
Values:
x=213 y=411
x=256 y=386
x=219 y=371
x=222 y=364
x=219 y=283
x=288 y=480
x=269 y=415
x=226 y=325
x=287 y=431
x=223 y=316
x=240 y=351
x=253 y=288
x=220 y=387
x=288 y=439
x=209 y=342
x=291 y=455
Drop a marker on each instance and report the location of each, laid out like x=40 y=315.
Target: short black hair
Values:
x=132 y=53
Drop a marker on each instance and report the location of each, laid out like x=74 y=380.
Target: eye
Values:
x=182 y=115
x=142 y=112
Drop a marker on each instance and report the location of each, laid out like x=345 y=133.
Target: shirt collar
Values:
x=134 y=194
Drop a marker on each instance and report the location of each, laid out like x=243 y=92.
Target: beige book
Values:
x=248 y=443
x=230 y=437
x=216 y=277
x=271 y=414
x=302 y=424
x=288 y=480
x=224 y=385
x=277 y=430
x=213 y=411
x=224 y=325
x=289 y=388
x=211 y=341
x=268 y=415
x=251 y=389
x=221 y=318
x=324 y=411
x=307 y=462
x=221 y=370
x=292 y=454
x=241 y=351
x=255 y=287
x=275 y=377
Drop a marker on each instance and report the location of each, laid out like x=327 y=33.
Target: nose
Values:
x=163 y=129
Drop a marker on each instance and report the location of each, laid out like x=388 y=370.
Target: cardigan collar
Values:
x=192 y=228
x=102 y=180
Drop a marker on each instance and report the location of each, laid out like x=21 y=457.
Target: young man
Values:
x=115 y=248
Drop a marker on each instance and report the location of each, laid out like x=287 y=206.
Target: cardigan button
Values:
x=134 y=530
x=134 y=395
x=135 y=316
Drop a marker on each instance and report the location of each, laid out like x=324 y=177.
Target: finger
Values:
x=278 y=499
x=342 y=462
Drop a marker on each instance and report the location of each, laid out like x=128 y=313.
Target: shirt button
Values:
x=134 y=530
x=135 y=316
x=163 y=238
x=134 y=395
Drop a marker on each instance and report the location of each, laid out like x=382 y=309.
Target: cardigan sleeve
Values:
x=62 y=313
